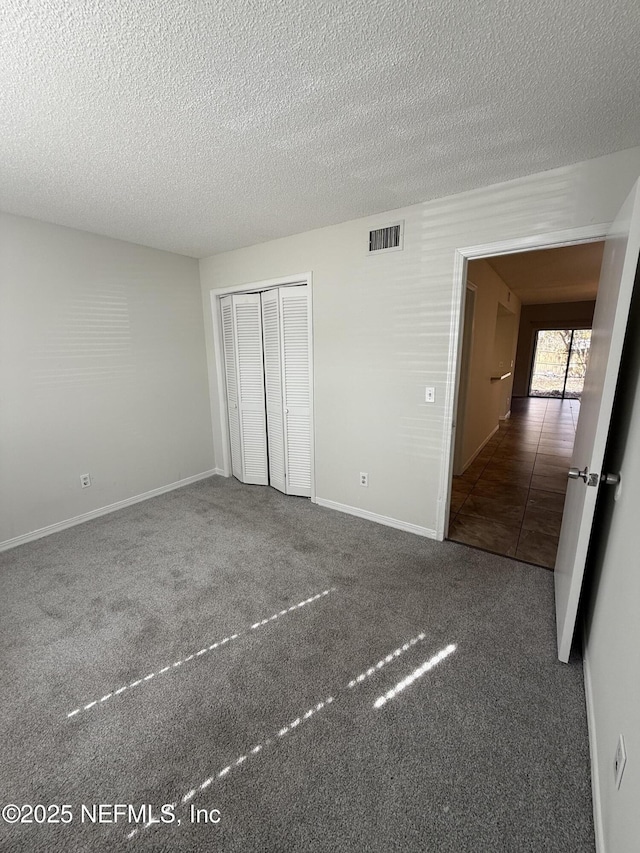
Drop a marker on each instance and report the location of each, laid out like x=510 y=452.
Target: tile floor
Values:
x=510 y=499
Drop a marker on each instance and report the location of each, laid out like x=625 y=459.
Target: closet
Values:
x=266 y=353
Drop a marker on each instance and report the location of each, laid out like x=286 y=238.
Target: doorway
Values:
x=516 y=421
x=465 y=367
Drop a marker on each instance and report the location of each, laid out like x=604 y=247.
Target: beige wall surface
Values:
x=558 y=315
x=495 y=327
x=102 y=371
x=383 y=324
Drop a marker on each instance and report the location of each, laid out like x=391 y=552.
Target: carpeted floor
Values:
x=274 y=723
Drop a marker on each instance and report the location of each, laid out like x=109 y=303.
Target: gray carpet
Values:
x=484 y=750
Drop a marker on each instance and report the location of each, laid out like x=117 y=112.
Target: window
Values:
x=559 y=363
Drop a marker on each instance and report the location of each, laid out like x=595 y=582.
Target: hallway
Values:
x=510 y=499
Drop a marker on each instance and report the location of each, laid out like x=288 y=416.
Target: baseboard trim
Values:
x=593 y=751
x=480 y=449
x=104 y=510
x=379 y=519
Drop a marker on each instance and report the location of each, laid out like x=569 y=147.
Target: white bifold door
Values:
x=242 y=340
x=267 y=367
x=285 y=328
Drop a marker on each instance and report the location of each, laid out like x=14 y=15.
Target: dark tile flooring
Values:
x=510 y=499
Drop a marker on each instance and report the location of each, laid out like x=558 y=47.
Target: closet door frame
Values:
x=216 y=311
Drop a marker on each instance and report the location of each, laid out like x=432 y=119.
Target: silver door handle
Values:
x=593 y=479
x=576 y=473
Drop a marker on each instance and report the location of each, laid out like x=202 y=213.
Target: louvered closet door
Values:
x=229 y=346
x=273 y=387
x=296 y=388
x=251 y=402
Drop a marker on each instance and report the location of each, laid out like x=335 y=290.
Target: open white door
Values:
x=296 y=388
x=250 y=372
x=619 y=265
x=273 y=387
x=244 y=373
x=229 y=351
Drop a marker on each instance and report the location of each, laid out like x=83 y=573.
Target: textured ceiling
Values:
x=203 y=126
x=567 y=274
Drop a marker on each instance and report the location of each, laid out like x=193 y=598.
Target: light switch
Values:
x=430 y=395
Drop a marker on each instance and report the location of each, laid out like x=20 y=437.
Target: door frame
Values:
x=463 y=382
x=462 y=256
x=216 y=316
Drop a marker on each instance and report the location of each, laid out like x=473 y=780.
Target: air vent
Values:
x=386 y=239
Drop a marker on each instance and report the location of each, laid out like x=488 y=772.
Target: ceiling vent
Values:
x=388 y=239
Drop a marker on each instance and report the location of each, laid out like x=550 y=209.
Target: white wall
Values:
x=382 y=325
x=102 y=371
x=612 y=654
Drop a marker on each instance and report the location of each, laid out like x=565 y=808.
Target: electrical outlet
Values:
x=364 y=479
x=429 y=395
x=619 y=761
x=85 y=480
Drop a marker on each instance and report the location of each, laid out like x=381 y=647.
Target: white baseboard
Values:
x=505 y=417
x=380 y=519
x=104 y=510
x=593 y=752
x=482 y=446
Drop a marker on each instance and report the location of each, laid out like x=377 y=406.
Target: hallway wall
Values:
x=495 y=325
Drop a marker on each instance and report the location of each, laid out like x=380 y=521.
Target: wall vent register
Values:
x=386 y=239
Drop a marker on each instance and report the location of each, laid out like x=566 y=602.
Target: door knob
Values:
x=610 y=479
x=576 y=473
